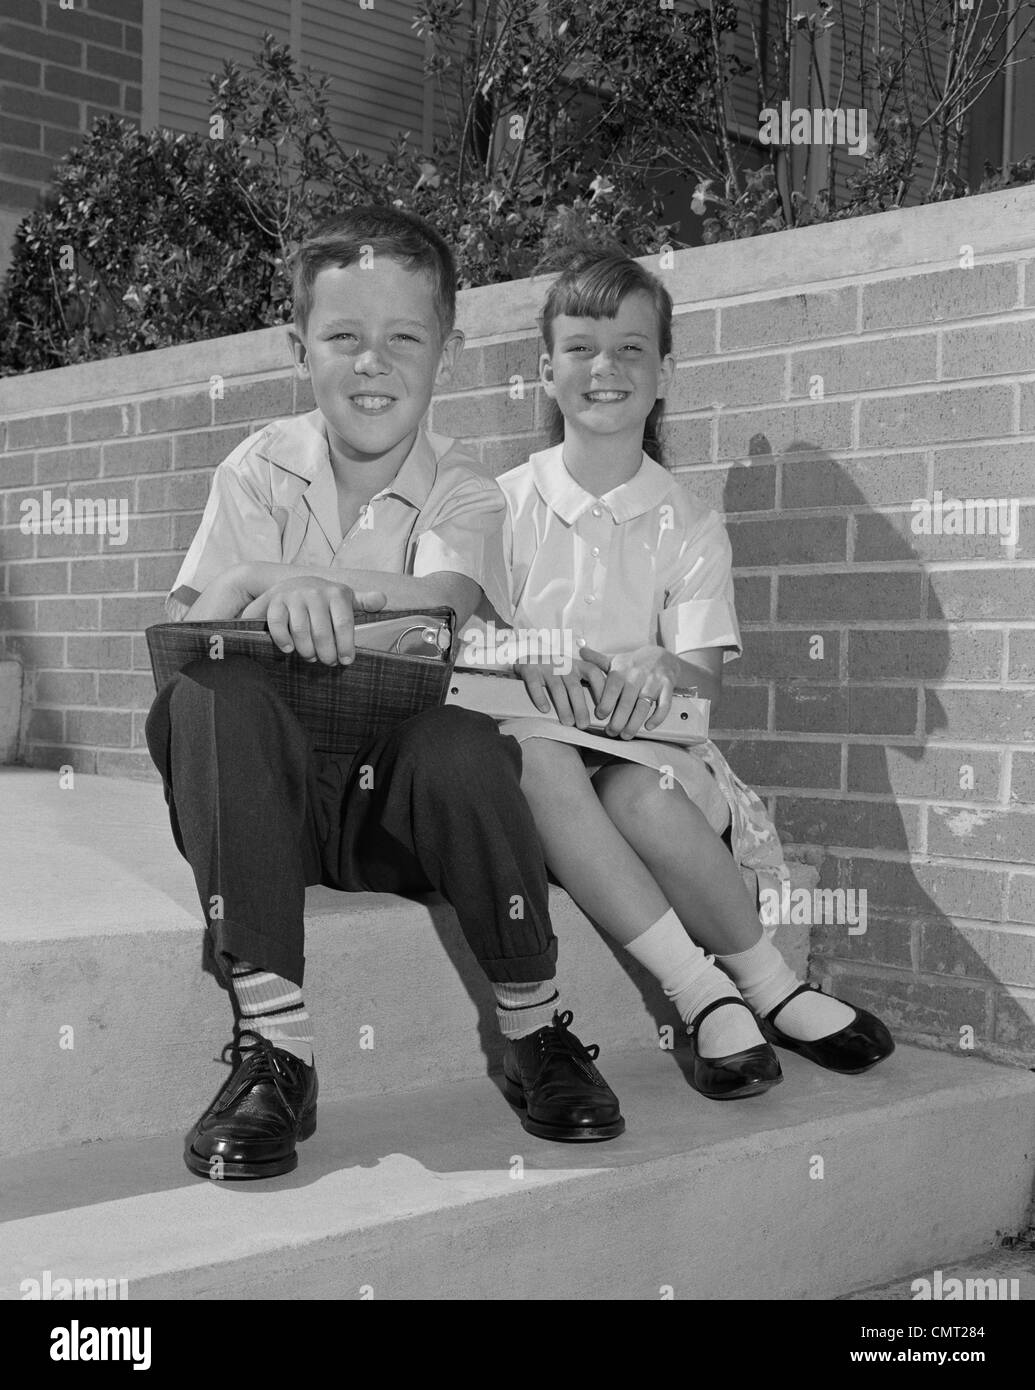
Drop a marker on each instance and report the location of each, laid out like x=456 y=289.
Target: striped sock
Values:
x=525 y=1008
x=274 y=1008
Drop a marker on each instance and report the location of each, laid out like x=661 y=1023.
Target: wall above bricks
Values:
x=885 y=703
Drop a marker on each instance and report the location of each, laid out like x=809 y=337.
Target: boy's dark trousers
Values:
x=435 y=805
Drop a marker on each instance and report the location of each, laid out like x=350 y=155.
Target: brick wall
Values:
x=60 y=68
x=885 y=705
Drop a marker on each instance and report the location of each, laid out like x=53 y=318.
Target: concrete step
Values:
x=104 y=1004
x=439 y=1194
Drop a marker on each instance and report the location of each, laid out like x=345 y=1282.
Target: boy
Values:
x=354 y=505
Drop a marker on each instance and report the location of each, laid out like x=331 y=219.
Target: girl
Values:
x=600 y=541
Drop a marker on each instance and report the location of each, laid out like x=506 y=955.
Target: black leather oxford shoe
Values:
x=856 y=1047
x=551 y=1077
x=746 y=1073
x=264 y=1108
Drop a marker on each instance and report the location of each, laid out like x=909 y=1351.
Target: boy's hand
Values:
x=314 y=617
x=546 y=683
x=638 y=691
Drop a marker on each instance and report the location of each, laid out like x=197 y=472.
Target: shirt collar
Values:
x=646 y=489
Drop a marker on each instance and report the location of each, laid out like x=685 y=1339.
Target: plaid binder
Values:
x=339 y=706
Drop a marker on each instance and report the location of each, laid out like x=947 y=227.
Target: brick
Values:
x=25 y=134
x=206 y=448
x=126 y=691
x=141 y=658
x=34 y=650
x=924 y=655
x=99 y=653
x=1020 y=905
x=890 y=536
x=57 y=48
x=491 y=413
x=58 y=142
x=39 y=577
x=67 y=614
x=132 y=614
x=934 y=890
x=37 y=431
x=66 y=688
x=494 y=364
x=863 y=595
x=829 y=821
x=924 y=417
x=133 y=456
x=939 y=295
x=140 y=724
x=791 y=429
x=776 y=763
x=791 y=319
x=18 y=615
x=20 y=164
x=875 y=709
x=112 y=728
x=816 y=709
x=103 y=575
x=734 y=490
x=20 y=197
x=259 y=400
x=876 y=482
x=102 y=422
x=1022 y=654
x=912 y=1008
x=119 y=9
x=999 y=349
x=884 y=942
x=88 y=26
x=60 y=465
x=932 y=773
x=727 y=382
x=15 y=544
x=19 y=70
x=136 y=765
x=500 y=455
x=16 y=469
x=768 y=655
x=949 y=948
x=304 y=400
x=177 y=492
x=847 y=368
x=964 y=832
x=693 y=334
x=753 y=599
x=1027 y=393
x=46 y=726
x=1013 y=958
x=27 y=11
x=131 y=101
x=155 y=573
x=89 y=543
x=15 y=498
x=16 y=101
x=149 y=533
x=1022 y=780
x=1006 y=716
x=983 y=470
x=978 y=595
x=1015 y=1023
x=162 y=414
x=686 y=442
x=741 y=707
x=183 y=530
x=788 y=541
x=80 y=759
x=121 y=65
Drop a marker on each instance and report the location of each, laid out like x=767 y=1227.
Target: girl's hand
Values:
x=638 y=691
x=547 y=682
x=313 y=617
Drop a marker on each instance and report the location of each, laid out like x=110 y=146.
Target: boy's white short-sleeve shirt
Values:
x=646 y=563
x=274 y=498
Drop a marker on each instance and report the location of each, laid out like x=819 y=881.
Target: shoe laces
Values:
x=258 y=1062
x=557 y=1038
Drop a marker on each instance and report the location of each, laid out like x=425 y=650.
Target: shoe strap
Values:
x=802 y=989
x=695 y=1027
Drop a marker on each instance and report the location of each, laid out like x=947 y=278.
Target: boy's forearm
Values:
x=400 y=590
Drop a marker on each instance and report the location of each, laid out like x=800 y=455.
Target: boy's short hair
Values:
x=385 y=231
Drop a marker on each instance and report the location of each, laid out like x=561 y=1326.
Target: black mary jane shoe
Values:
x=266 y=1105
x=550 y=1077
x=855 y=1048
x=746 y=1073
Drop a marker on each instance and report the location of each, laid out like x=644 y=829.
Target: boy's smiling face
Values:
x=374 y=351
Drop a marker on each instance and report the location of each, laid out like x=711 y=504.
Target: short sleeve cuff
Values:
x=179 y=603
x=698 y=623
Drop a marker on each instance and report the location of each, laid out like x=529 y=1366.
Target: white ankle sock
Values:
x=525 y=1008
x=692 y=981
x=765 y=978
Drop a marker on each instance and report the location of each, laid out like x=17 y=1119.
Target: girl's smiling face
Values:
x=606 y=374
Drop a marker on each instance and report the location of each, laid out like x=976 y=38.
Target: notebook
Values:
x=505 y=697
x=402 y=666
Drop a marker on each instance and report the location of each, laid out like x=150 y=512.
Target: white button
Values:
x=580 y=641
x=590 y=598
x=596 y=511
x=596 y=550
